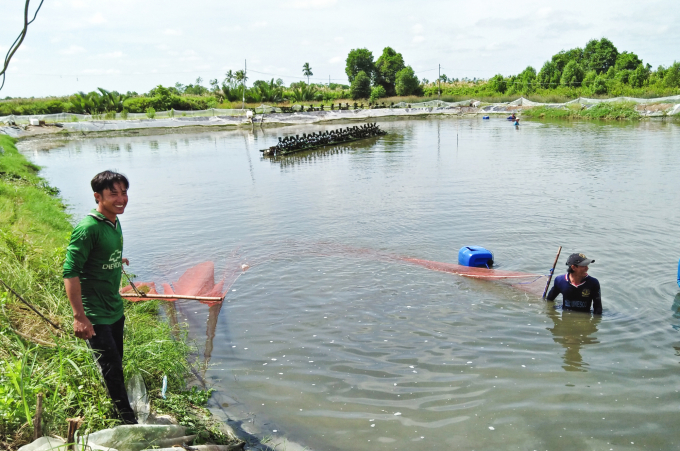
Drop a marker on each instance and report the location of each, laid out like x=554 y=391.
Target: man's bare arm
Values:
x=81 y=325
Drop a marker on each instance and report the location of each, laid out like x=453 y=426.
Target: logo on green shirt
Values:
x=115 y=258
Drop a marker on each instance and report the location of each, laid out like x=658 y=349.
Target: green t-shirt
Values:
x=94 y=255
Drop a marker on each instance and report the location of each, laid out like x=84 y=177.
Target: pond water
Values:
x=326 y=342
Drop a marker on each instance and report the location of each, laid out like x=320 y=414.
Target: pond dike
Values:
x=269 y=119
x=649 y=110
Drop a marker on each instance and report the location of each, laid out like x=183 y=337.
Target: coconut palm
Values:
x=307 y=71
x=230 y=78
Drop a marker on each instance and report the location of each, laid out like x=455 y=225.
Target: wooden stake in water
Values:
x=547 y=285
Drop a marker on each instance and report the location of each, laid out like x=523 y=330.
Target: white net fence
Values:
x=73 y=117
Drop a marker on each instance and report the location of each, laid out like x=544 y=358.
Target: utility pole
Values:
x=245 y=70
x=439 y=81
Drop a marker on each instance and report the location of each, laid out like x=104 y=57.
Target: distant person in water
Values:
x=579 y=290
x=513 y=117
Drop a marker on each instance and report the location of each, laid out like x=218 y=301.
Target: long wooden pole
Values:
x=28 y=304
x=37 y=428
x=172 y=296
x=547 y=285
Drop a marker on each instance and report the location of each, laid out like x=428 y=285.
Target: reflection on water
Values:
x=345 y=351
x=676 y=311
x=310 y=156
x=573 y=330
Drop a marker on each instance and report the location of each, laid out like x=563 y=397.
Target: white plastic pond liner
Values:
x=138 y=437
x=271 y=114
x=121 y=438
x=73 y=117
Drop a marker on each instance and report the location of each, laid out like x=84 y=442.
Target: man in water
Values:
x=579 y=290
x=92 y=273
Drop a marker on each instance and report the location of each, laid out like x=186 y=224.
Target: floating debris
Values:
x=297 y=143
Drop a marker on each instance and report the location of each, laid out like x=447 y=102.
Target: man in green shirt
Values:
x=92 y=273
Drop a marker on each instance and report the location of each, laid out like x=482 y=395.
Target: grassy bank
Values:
x=37 y=358
x=606 y=111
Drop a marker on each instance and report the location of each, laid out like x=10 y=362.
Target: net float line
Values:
x=467 y=271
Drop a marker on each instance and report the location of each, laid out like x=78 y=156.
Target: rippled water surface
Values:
x=326 y=342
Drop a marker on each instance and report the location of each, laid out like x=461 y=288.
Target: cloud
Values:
x=260 y=24
x=101 y=71
x=417 y=39
x=172 y=32
x=339 y=39
x=116 y=54
x=97 y=19
x=79 y=4
x=417 y=28
x=335 y=59
x=72 y=50
x=309 y=4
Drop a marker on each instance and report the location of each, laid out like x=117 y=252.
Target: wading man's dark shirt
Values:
x=578 y=297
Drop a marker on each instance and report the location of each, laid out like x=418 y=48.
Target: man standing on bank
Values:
x=579 y=290
x=92 y=273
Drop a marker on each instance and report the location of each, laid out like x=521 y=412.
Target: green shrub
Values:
x=671 y=78
x=599 y=85
x=377 y=92
x=361 y=86
x=497 y=83
x=150 y=112
x=572 y=75
x=407 y=83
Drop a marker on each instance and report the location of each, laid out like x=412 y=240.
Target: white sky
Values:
x=79 y=45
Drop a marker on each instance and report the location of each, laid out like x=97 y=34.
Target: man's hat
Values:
x=579 y=260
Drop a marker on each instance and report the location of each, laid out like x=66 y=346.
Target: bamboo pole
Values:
x=172 y=296
x=28 y=304
x=73 y=424
x=37 y=430
x=552 y=271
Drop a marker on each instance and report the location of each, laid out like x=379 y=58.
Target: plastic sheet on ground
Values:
x=139 y=400
x=73 y=117
x=138 y=437
x=121 y=438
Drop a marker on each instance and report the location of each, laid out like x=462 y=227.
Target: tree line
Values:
x=598 y=69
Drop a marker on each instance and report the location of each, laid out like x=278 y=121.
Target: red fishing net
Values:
x=198 y=280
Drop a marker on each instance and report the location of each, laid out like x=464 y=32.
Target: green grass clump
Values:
x=611 y=110
x=36 y=358
x=604 y=110
x=189 y=409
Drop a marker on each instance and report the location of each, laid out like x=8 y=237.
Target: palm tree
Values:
x=229 y=78
x=307 y=71
x=240 y=76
